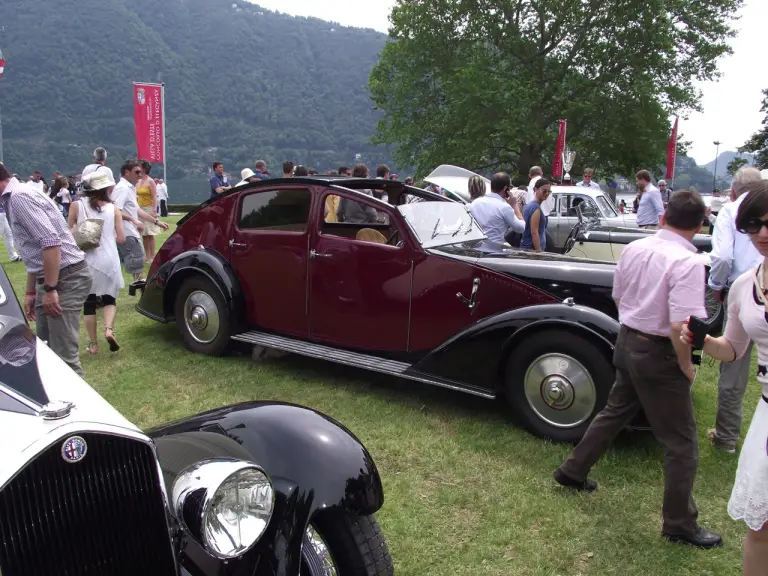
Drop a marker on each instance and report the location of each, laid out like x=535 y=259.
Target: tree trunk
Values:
x=530 y=155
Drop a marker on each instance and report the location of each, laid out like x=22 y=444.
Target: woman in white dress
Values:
x=103 y=260
x=748 y=320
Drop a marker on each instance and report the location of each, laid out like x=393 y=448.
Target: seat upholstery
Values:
x=371 y=235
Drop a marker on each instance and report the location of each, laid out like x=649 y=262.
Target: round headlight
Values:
x=226 y=505
x=239 y=512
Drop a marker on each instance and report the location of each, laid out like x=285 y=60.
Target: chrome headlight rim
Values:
x=204 y=479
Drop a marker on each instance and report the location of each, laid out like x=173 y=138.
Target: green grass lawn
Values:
x=467 y=490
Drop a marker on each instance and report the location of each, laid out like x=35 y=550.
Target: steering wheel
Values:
x=392 y=237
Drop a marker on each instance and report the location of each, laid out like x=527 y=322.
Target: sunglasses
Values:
x=754 y=226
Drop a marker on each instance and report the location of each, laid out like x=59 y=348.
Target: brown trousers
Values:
x=648 y=377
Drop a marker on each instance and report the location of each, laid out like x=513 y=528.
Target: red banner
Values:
x=148 y=111
x=557 y=164
x=672 y=153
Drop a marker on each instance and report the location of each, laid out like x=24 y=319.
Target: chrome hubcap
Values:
x=317 y=556
x=560 y=390
x=201 y=317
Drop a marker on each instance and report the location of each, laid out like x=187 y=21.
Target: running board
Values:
x=355 y=359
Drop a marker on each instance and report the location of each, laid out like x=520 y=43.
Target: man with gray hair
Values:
x=99 y=164
x=732 y=255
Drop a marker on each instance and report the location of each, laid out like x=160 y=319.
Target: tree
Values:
x=735 y=164
x=482 y=83
x=758 y=143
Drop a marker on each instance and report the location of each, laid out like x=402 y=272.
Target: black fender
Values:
x=159 y=294
x=315 y=463
x=476 y=355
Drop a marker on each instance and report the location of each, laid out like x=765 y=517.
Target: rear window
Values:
x=282 y=210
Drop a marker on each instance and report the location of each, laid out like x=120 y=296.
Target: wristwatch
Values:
x=48 y=288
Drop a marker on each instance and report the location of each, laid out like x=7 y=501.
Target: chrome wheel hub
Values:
x=560 y=390
x=317 y=557
x=201 y=317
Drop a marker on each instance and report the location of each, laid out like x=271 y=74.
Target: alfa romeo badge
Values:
x=74 y=449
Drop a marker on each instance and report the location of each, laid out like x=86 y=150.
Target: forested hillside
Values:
x=241 y=83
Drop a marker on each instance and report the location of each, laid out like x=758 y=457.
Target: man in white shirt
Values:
x=497 y=213
x=732 y=255
x=99 y=163
x=534 y=174
x=36 y=182
x=162 y=197
x=124 y=196
x=588 y=182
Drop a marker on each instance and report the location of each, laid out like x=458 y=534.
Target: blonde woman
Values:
x=146 y=193
x=103 y=261
x=476 y=187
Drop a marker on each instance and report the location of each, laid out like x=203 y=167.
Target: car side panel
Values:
x=437 y=313
x=315 y=464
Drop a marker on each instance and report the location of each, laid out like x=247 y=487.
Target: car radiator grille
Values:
x=103 y=515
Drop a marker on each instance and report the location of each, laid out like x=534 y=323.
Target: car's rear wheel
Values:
x=556 y=382
x=202 y=317
x=339 y=543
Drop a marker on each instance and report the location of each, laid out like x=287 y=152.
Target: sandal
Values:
x=92 y=348
x=113 y=345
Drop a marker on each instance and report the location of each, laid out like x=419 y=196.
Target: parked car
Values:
x=591 y=239
x=421 y=297
x=261 y=488
x=594 y=203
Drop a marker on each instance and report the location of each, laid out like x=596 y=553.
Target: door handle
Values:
x=315 y=254
x=233 y=244
x=471 y=302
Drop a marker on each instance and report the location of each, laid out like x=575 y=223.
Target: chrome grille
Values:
x=102 y=515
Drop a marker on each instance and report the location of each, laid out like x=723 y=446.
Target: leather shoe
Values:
x=702 y=538
x=563 y=479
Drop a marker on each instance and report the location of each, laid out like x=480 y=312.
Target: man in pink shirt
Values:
x=659 y=283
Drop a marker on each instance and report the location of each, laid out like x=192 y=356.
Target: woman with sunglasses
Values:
x=748 y=321
x=534 y=236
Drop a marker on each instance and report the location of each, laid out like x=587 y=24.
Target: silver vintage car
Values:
x=594 y=204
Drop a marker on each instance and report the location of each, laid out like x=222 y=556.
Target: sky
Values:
x=731 y=105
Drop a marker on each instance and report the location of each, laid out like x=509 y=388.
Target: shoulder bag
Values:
x=87 y=234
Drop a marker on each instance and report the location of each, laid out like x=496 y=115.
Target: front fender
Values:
x=474 y=356
x=158 y=297
x=315 y=464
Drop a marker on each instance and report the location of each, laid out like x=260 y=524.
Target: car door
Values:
x=268 y=252
x=360 y=286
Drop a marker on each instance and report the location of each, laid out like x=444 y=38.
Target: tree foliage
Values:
x=482 y=83
x=242 y=83
x=758 y=143
x=734 y=165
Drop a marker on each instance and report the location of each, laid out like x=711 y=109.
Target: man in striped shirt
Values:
x=58 y=279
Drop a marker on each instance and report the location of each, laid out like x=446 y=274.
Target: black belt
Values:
x=653 y=337
x=66 y=271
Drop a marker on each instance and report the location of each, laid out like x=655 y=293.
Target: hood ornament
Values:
x=56 y=410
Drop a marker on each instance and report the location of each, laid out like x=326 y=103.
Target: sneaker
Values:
x=719 y=444
x=16 y=259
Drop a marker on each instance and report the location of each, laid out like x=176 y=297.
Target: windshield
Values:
x=606 y=207
x=441 y=223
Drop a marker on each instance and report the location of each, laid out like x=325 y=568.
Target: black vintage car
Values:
x=262 y=488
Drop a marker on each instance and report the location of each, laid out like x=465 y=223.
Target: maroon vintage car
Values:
x=408 y=287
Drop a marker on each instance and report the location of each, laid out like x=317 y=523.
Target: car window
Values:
x=349 y=218
x=606 y=207
x=588 y=207
x=280 y=210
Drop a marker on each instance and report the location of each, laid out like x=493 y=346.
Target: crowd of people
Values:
x=73 y=237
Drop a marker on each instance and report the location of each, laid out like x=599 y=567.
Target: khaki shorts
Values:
x=132 y=255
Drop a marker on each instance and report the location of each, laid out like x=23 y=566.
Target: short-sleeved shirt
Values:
x=659 y=280
x=124 y=197
x=651 y=207
x=217 y=181
x=96 y=168
x=495 y=217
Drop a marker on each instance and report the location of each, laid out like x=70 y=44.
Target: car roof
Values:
x=350 y=183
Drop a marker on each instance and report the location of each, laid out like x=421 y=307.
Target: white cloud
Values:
x=731 y=105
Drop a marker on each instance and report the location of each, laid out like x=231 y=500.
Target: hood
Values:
x=620 y=235
x=588 y=282
x=38 y=375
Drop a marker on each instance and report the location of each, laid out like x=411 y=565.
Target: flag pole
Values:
x=162 y=97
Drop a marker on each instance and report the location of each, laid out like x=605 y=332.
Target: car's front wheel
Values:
x=339 y=543
x=556 y=382
x=202 y=317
